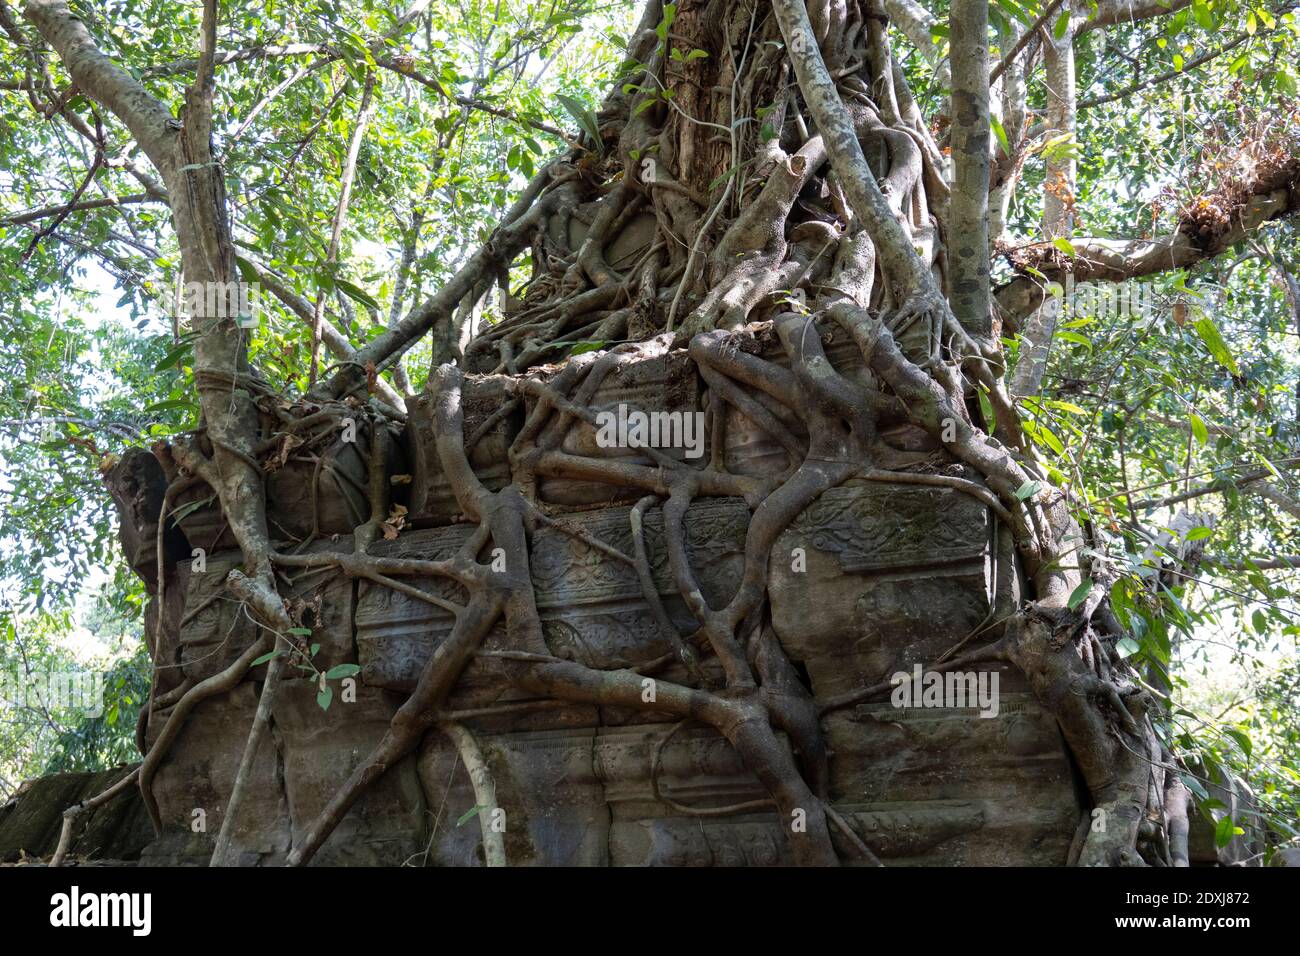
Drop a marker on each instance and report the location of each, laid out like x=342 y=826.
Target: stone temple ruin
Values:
x=874 y=578
x=887 y=576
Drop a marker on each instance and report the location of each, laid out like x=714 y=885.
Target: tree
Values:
x=794 y=183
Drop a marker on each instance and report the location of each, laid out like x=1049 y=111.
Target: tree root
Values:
x=485 y=799
x=70 y=815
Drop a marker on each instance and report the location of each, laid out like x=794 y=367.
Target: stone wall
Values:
x=892 y=574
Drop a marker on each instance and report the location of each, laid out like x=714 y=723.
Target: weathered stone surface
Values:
x=1010 y=773
x=545 y=783
x=318 y=749
x=194 y=781
x=329 y=496
x=664 y=384
x=320 y=489
x=591 y=606
x=873 y=578
x=137 y=485
x=584 y=796
x=214 y=629
x=892 y=575
x=895 y=574
x=1237 y=800
x=30 y=821
x=482 y=395
x=195 y=510
x=1288 y=856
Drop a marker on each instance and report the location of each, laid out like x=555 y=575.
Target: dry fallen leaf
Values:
x=396 y=521
x=284 y=449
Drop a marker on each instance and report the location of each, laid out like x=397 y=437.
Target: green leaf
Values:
x=1061 y=147
x=301 y=631
x=170 y=404
x=1001 y=134
x=584 y=117
x=1028 y=490
x=468 y=815
x=324 y=697
x=1259 y=621
x=1070 y=407
x=1078 y=595
x=1213 y=339
x=357 y=293
x=265 y=657
x=1046 y=436
x=670 y=14
x=1242 y=739
x=719 y=180
x=678 y=57
x=1223 y=833
x=1199 y=431
x=339 y=671
x=1062 y=24
x=1016 y=10
x=174 y=356
x=1065 y=246
x=246 y=270
x=187 y=509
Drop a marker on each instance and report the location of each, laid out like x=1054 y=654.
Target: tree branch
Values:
x=21 y=218
x=149 y=121
x=968 y=212
x=1113 y=12
x=364 y=112
x=1010 y=56
x=1117 y=260
x=917 y=24
x=1165 y=77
